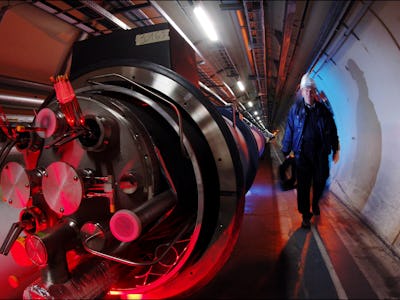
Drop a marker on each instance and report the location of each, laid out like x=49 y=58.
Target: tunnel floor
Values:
x=274 y=258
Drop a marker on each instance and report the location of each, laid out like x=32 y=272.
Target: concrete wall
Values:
x=360 y=74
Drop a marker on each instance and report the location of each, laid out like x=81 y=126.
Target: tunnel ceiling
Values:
x=266 y=44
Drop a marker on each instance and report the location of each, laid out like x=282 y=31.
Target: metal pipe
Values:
x=20 y=101
x=337 y=15
x=48 y=249
x=337 y=46
x=94 y=279
x=33 y=86
x=105 y=13
x=127 y=225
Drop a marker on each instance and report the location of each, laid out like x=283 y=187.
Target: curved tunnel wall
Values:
x=360 y=74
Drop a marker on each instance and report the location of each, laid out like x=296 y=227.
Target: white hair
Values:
x=307 y=81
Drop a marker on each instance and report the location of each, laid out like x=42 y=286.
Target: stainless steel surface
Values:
x=154 y=146
x=15 y=185
x=186 y=101
x=62 y=188
x=222 y=156
x=19 y=101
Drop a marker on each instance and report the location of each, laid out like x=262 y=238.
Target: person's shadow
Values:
x=301 y=272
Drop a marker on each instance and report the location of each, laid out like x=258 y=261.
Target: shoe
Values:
x=306 y=223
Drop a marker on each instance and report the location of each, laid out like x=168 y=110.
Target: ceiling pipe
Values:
x=287 y=41
x=292 y=65
x=349 y=29
x=245 y=38
x=315 y=15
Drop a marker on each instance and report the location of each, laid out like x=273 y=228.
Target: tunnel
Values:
x=133 y=164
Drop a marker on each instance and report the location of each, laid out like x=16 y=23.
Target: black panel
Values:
x=121 y=45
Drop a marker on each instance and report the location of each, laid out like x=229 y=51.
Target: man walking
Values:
x=311 y=134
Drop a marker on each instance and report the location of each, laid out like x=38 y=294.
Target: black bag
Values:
x=287 y=174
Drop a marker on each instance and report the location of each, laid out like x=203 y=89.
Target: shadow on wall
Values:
x=369 y=140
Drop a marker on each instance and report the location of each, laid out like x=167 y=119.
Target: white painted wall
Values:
x=363 y=86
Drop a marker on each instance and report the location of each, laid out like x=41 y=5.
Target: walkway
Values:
x=338 y=258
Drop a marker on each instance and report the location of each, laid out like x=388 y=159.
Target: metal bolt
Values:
x=61 y=210
x=75 y=178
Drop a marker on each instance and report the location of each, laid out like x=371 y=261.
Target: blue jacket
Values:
x=295 y=124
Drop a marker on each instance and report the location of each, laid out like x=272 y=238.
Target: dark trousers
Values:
x=312 y=170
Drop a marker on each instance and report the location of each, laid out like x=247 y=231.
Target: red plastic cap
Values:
x=64 y=91
x=125 y=225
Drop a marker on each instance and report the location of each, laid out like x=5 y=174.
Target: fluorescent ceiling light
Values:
x=240 y=85
x=250 y=104
x=256 y=113
x=206 y=23
x=176 y=27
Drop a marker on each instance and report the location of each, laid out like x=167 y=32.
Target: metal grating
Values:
x=254 y=12
x=227 y=63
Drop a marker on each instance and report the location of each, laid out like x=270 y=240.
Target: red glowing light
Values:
x=114 y=293
x=133 y=296
x=125 y=295
x=19 y=254
x=73 y=259
x=46 y=119
x=13 y=281
x=63 y=89
x=68 y=103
